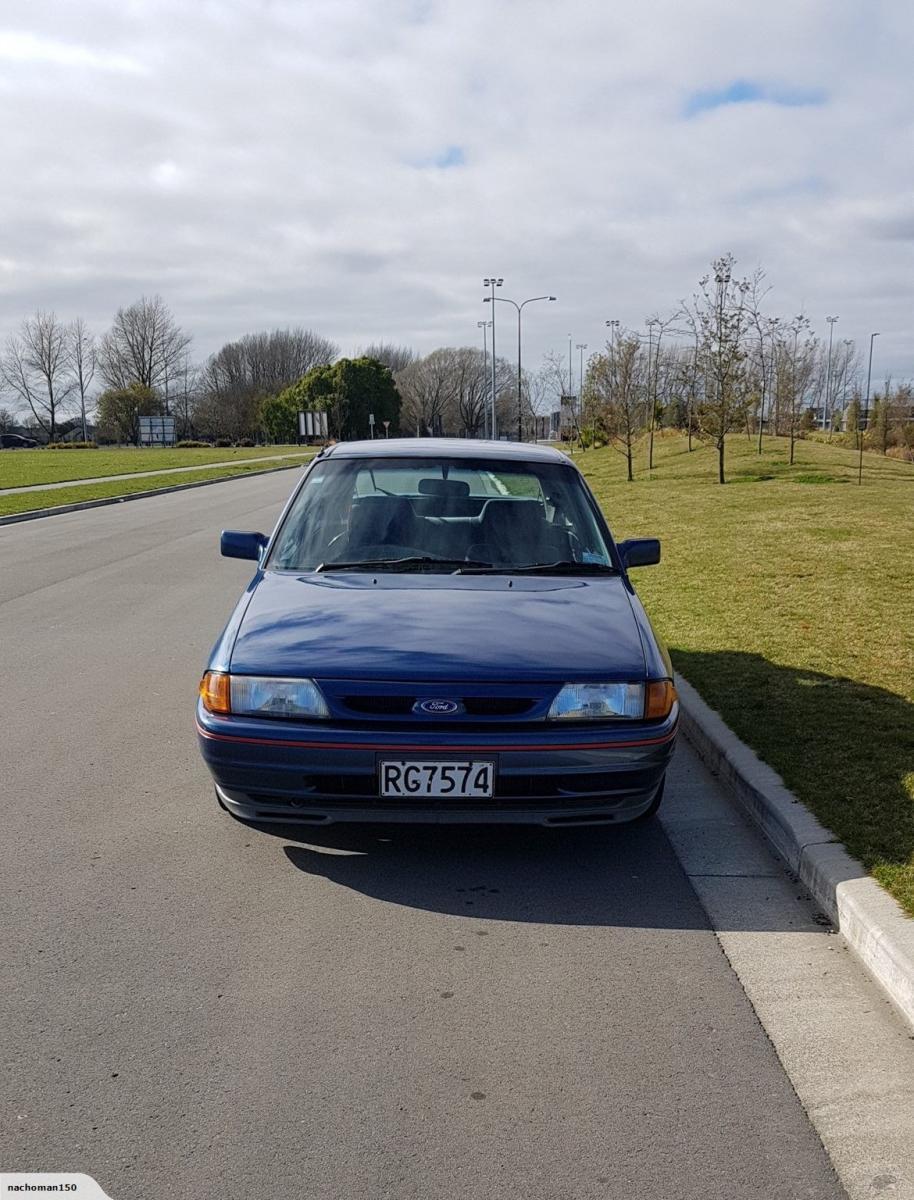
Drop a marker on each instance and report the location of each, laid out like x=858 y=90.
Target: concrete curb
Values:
x=872 y=922
x=58 y=510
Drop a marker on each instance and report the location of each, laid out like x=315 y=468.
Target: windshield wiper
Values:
x=403 y=564
x=562 y=567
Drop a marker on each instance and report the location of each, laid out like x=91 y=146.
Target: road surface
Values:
x=193 y=1008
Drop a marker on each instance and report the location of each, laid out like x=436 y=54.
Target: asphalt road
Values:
x=192 y=1008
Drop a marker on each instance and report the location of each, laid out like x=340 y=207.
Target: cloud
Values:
x=17 y=46
x=259 y=163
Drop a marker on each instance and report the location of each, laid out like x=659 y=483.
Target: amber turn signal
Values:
x=216 y=692
x=661 y=696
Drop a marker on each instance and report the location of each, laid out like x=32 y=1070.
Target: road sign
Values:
x=312 y=424
x=157 y=431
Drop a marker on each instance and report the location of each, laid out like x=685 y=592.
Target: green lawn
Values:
x=27 y=501
x=786 y=598
x=20 y=468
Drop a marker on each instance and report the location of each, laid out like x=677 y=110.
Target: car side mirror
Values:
x=640 y=552
x=240 y=543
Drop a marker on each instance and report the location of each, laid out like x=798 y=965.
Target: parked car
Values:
x=439 y=630
x=15 y=441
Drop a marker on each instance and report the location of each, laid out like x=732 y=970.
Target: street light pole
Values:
x=519 y=308
x=582 y=346
x=483 y=325
x=612 y=326
x=831 y=330
x=651 y=322
x=493 y=283
x=866 y=410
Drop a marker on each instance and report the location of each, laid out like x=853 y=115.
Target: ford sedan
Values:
x=439 y=630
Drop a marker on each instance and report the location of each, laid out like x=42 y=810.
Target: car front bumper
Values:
x=267 y=771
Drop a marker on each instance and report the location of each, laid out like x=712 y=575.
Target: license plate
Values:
x=411 y=780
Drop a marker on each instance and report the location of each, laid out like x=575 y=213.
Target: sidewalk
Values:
x=65 y=483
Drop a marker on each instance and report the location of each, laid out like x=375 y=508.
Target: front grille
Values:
x=497 y=706
x=475 y=706
x=382 y=706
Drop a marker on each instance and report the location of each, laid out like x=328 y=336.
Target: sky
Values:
x=358 y=167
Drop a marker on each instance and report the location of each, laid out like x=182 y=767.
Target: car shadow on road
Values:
x=583 y=876
x=625 y=877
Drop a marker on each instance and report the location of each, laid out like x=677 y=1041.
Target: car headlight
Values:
x=613 y=701
x=262 y=696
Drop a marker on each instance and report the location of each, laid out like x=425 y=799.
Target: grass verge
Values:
x=21 y=502
x=22 y=468
x=785 y=598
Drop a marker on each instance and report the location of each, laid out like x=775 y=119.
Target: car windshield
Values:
x=440 y=514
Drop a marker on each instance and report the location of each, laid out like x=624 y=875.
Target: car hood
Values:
x=445 y=627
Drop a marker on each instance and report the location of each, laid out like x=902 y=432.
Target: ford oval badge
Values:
x=437 y=708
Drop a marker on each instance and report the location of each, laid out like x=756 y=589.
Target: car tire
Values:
x=651 y=810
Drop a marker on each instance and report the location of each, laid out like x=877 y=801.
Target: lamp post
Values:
x=582 y=346
x=866 y=410
x=848 y=344
x=483 y=325
x=493 y=283
x=612 y=326
x=651 y=322
x=831 y=330
x=520 y=308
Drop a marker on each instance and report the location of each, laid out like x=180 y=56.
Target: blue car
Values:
x=439 y=630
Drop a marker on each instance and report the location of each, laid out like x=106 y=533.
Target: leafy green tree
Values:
x=279 y=416
x=347 y=391
x=120 y=409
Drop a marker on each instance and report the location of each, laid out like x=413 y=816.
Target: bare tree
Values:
x=236 y=378
x=81 y=355
x=427 y=388
x=35 y=366
x=445 y=392
x=186 y=396
x=397 y=358
x=619 y=390
x=797 y=374
x=663 y=324
x=144 y=345
x=721 y=313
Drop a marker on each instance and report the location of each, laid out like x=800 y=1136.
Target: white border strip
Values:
x=876 y=928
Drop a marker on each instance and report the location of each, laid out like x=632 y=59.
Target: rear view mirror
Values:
x=640 y=552
x=240 y=543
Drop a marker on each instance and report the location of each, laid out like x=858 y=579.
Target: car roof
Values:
x=426 y=447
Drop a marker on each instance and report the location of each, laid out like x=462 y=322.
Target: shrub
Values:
x=189 y=444
x=245 y=442
x=905 y=453
x=223 y=443
x=72 y=445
